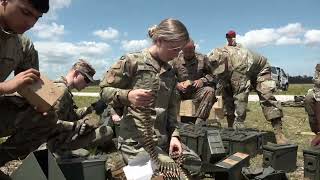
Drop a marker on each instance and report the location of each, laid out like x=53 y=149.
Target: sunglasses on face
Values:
x=86 y=79
x=171 y=47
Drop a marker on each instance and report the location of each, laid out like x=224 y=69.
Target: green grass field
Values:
x=294 y=121
x=294 y=89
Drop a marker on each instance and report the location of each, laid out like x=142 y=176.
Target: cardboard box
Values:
x=188 y=109
x=42 y=94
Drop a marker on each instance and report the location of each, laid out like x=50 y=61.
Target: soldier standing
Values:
x=312 y=106
x=145 y=81
x=194 y=67
x=239 y=70
x=231 y=39
x=17 y=54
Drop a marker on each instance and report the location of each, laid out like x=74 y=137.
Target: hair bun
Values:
x=152 y=30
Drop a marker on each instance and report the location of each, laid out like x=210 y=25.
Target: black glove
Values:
x=99 y=106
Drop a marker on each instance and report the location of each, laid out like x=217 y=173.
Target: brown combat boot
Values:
x=277 y=128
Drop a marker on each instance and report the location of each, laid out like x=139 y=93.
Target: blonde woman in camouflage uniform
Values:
x=312 y=106
x=145 y=79
x=239 y=70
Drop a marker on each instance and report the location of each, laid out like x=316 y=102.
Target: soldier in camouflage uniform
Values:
x=312 y=106
x=83 y=127
x=145 y=80
x=239 y=70
x=194 y=67
x=17 y=54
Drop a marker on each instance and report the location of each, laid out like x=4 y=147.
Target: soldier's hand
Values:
x=140 y=97
x=181 y=87
x=20 y=80
x=115 y=118
x=316 y=140
x=175 y=146
x=198 y=83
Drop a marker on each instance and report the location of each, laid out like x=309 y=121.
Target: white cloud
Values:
x=107 y=34
x=288 y=41
x=59 y=4
x=258 y=38
x=135 y=45
x=291 y=30
x=312 y=37
x=197 y=45
x=56 y=58
x=58 y=51
x=291 y=34
x=46 y=27
x=55 y=5
x=48 y=31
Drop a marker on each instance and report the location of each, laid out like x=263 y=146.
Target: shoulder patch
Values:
x=110 y=77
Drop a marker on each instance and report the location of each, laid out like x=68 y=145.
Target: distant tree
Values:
x=300 y=79
x=95 y=83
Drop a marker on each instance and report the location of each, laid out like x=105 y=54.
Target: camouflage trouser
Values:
x=98 y=137
x=204 y=98
x=236 y=96
x=26 y=128
x=310 y=103
x=192 y=162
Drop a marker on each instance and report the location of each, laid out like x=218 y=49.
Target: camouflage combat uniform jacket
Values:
x=197 y=68
x=316 y=81
x=141 y=71
x=65 y=107
x=313 y=97
x=239 y=70
x=194 y=69
x=17 y=54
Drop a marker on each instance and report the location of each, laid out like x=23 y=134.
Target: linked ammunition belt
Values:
x=170 y=170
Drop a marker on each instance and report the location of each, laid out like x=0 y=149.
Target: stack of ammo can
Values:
x=224 y=151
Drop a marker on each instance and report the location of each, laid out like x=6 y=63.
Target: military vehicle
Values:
x=281 y=78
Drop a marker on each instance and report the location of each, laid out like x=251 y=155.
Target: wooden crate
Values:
x=188 y=109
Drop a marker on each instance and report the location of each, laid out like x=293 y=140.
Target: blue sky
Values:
x=287 y=32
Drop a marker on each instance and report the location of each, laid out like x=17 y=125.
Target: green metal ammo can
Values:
x=213 y=150
x=193 y=137
x=241 y=141
x=83 y=169
x=312 y=163
x=280 y=157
